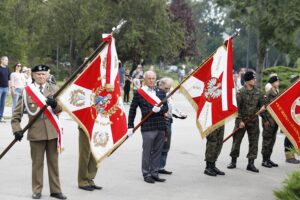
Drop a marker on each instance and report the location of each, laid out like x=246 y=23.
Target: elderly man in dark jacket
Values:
x=153 y=130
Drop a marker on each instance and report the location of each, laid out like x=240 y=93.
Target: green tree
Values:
x=268 y=18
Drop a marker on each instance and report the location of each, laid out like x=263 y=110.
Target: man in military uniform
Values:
x=249 y=100
x=87 y=168
x=214 y=146
x=42 y=134
x=270 y=126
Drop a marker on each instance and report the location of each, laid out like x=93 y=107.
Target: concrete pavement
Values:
x=121 y=177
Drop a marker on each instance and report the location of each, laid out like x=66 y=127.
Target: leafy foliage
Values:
x=290 y=189
x=284 y=74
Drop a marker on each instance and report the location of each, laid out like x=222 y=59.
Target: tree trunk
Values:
x=261 y=52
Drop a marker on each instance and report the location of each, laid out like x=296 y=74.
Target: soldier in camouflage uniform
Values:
x=213 y=149
x=250 y=100
x=270 y=127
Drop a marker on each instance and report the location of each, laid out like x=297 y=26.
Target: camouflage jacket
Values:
x=249 y=102
x=270 y=96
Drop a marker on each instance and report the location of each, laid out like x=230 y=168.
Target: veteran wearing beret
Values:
x=42 y=135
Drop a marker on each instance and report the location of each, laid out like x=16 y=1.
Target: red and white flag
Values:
x=285 y=109
x=94 y=100
x=211 y=90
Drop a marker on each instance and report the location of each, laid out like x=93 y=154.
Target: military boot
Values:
x=266 y=162
x=232 y=165
x=209 y=169
x=216 y=170
x=251 y=166
x=272 y=163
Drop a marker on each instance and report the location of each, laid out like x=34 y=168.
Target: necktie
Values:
x=41 y=89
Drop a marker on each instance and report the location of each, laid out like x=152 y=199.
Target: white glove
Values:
x=156 y=109
x=130 y=132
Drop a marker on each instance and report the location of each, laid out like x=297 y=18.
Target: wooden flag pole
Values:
x=167 y=97
x=254 y=115
x=245 y=122
x=115 y=30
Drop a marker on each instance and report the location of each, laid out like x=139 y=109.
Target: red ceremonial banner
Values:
x=285 y=109
x=211 y=92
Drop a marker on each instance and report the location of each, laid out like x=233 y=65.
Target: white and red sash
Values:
x=148 y=96
x=40 y=101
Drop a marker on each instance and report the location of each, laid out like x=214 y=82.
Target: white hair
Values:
x=148 y=73
x=165 y=81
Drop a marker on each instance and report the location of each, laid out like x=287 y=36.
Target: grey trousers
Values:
x=153 y=142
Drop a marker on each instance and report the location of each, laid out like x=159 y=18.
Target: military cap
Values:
x=273 y=79
x=249 y=75
x=40 y=68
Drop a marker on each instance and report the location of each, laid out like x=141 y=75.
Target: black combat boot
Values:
x=265 y=162
x=272 y=163
x=232 y=165
x=216 y=170
x=209 y=169
x=251 y=166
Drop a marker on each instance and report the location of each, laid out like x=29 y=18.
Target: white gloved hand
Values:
x=130 y=132
x=156 y=109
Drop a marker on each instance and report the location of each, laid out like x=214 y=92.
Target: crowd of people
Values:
x=156 y=131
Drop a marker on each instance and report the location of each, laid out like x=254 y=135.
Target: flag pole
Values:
x=115 y=30
x=245 y=122
x=169 y=95
x=251 y=117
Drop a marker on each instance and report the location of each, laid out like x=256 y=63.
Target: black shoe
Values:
x=58 y=195
x=273 y=164
x=36 y=195
x=149 y=179
x=96 y=187
x=217 y=171
x=87 y=188
x=210 y=172
x=163 y=171
x=157 y=179
x=252 y=168
x=292 y=161
x=232 y=165
x=266 y=164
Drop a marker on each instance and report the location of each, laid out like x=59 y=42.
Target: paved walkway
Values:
x=120 y=174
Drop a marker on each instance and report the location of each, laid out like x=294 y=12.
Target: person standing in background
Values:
x=4 y=84
x=165 y=84
x=136 y=83
x=17 y=84
x=127 y=86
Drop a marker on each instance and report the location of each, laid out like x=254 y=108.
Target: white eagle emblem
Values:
x=213 y=89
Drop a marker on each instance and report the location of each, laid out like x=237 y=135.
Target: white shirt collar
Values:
x=149 y=89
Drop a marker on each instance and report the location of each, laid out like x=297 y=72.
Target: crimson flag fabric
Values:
x=94 y=100
x=210 y=90
x=285 y=109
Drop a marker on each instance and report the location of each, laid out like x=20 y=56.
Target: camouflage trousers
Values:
x=214 y=144
x=269 y=138
x=252 y=129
